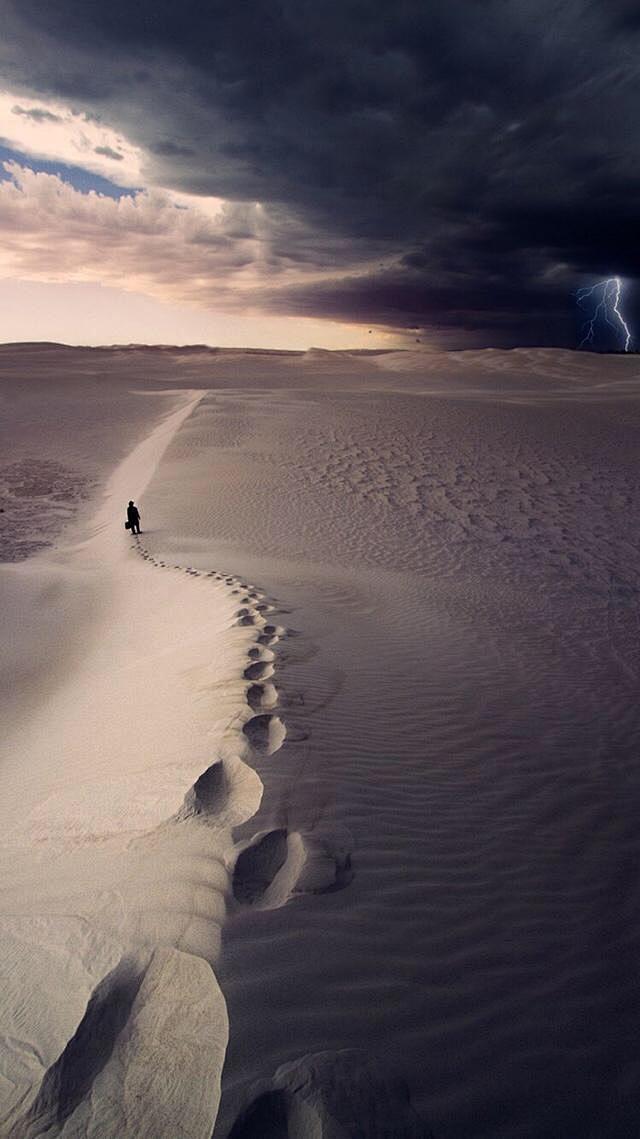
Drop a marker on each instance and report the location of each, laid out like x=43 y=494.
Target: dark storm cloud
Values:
x=168 y=149
x=457 y=310
x=484 y=151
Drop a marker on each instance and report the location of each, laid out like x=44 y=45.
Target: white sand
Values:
x=89 y=876
x=429 y=747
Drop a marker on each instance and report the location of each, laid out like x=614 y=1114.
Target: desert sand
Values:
x=319 y=800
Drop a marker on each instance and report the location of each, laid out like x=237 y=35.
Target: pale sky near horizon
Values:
x=91 y=258
x=93 y=314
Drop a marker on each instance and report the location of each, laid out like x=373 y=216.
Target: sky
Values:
x=287 y=173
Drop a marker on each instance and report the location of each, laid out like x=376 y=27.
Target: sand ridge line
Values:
x=116 y=1067
x=252 y=870
x=270 y=867
x=128 y=1005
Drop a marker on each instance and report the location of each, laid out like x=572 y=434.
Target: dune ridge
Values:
x=149 y=1045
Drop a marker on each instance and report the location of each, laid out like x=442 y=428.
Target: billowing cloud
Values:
x=169 y=246
x=52 y=232
x=460 y=165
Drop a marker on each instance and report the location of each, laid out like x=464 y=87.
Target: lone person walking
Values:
x=133 y=518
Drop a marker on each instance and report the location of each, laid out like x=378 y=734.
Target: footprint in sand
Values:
x=250 y=619
x=207 y=795
x=259 y=670
x=262 y=696
x=328 y=865
x=270 y=634
x=257 y=866
x=279 y=864
x=345 y=1093
x=257 y=653
x=265 y=732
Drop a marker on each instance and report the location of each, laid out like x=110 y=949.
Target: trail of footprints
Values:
x=278 y=863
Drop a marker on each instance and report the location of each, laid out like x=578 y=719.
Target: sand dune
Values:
x=113 y=893
x=382 y=777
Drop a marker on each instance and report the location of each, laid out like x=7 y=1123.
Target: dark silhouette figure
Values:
x=133 y=518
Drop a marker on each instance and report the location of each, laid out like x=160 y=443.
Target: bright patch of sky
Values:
x=82 y=180
x=57 y=133
x=52 y=138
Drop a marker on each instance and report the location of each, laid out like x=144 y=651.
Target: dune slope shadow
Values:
x=146 y=1059
x=71 y=1078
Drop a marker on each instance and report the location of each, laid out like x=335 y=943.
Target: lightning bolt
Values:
x=608 y=294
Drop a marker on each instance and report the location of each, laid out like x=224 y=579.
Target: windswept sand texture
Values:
x=122 y=786
x=333 y=775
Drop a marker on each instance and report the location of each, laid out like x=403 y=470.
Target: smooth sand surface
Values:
x=421 y=894
x=113 y=845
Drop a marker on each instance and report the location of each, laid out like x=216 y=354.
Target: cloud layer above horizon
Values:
x=458 y=170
